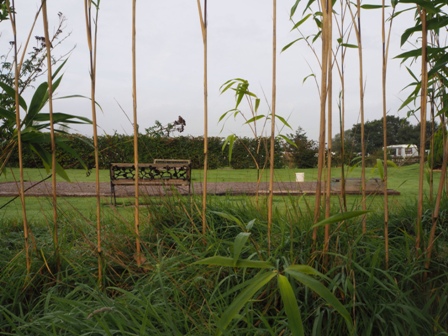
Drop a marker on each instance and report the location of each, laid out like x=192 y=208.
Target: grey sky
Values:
x=170 y=70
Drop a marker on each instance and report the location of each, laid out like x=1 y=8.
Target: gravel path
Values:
x=88 y=189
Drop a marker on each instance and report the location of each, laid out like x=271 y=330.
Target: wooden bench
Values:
x=164 y=172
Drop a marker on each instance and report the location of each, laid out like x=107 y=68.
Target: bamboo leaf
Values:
x=230 y=141
x=298 y=24
x=225 y=114
x=257 y=104
x=288 y=140
x=241 y=91
x=238 y=245
x=294 y=8
x=251 y=120
x=229 y=262
x=254 y=285
x=290 y=44
x=440 y=63
x=227 y=85
x=291 y=307
x=432 y=24
x=283 y=120
x=430 y=8
x=339 y=218
x=78 y=96
x=311 y=75
x=348 y=45
x=367 y=6
x=323 y=292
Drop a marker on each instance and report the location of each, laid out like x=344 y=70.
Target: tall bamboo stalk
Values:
x=329 y=140
x=52 y=136
x=384 y=71
x=134 y=108
x=361 y=110
x=203 y=22
x=423 y=97
x=12 y=18
x=273 y=111
x=92 y=45
x=326 y=55
x=342 y=111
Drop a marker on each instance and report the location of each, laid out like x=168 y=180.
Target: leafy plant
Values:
x=34 y=124
x=284 y=274
x=241 y=88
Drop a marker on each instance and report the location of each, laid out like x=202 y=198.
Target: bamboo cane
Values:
x=329 y=140
x=423 y=97
x=203 y=23
x=385 y=52
x=361 y=106
x=273 y=111
x=12 y=17
x=385 y=199
x=92 y=45
x=342 y=117
x=134 y=105
x=52 y=135
x=326 y=51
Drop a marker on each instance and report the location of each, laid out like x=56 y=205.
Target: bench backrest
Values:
x=160 y=170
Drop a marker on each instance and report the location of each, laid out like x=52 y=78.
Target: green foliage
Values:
x=303 y=152
x=302 y=273
x=436 y=156
x=170 y=294
x=399 y=131
x=258 y=152
x=119 y=148
x=34 y=123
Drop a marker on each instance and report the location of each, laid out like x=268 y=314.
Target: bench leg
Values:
x=113 y=198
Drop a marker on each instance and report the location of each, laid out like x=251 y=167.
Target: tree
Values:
x=304 y=153
x=399 y=131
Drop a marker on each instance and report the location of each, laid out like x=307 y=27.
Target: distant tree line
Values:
x=399 y=131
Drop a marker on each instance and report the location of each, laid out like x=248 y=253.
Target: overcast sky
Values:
x=170 y=64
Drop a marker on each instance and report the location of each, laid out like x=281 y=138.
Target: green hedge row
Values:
x=120 y=148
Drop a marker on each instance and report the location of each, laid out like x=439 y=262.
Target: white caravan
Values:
x=402 y=151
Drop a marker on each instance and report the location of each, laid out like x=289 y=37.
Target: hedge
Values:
x=120 y=148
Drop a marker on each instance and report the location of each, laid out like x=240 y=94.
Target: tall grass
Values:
x=170 y=295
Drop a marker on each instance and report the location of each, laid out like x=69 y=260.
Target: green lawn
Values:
x=403 y=179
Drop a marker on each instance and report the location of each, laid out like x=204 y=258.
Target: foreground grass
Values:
x=171 y=295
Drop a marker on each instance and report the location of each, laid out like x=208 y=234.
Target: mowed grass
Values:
x=403 y=179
